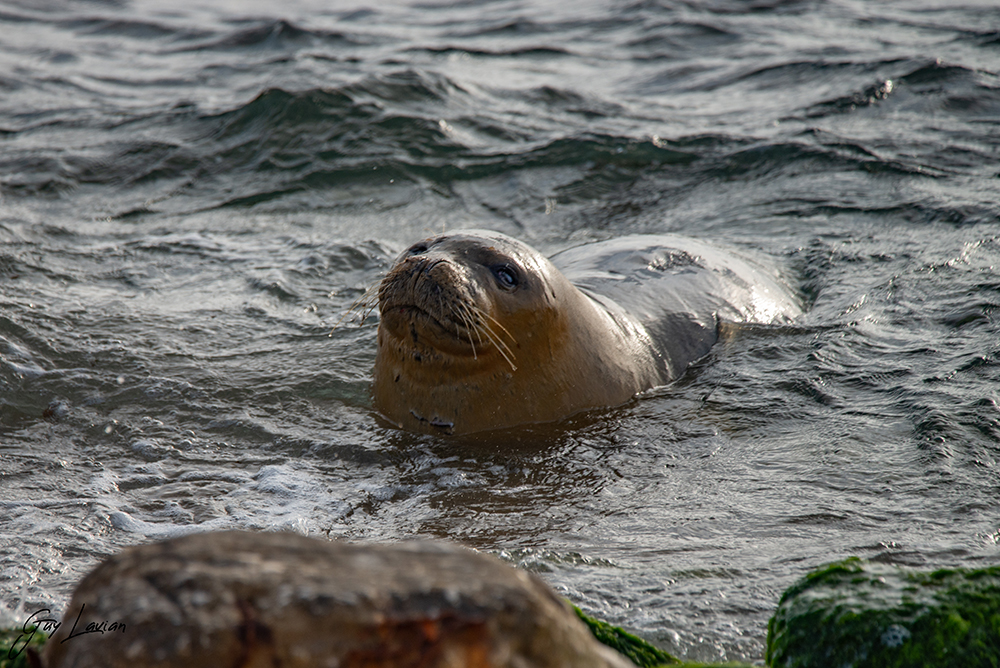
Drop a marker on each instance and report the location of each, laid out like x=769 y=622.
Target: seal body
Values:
x=479 y=331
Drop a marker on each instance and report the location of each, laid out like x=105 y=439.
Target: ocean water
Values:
x=193 y=195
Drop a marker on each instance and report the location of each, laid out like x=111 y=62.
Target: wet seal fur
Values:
x=479 y=331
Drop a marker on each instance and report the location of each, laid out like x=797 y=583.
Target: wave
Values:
x=272 y=34
x=524 y=52
x=127 y=28
x=954 y=88
x=417 y=126
x=321 y=138
x=283 y=142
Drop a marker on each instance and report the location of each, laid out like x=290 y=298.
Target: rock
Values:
x=276 y=599
x=860 y=614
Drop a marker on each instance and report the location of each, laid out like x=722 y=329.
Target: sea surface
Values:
x=194 y=194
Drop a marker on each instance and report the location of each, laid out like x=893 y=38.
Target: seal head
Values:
x=479 y=331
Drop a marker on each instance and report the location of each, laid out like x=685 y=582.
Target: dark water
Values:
x=193 y=196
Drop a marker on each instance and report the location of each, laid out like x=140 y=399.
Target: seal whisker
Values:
x=464 y=315
x=493 y=336
x=472 y=322
x=365 y=304
x=477 y=324
x=479 y=317
x=474 y=325
x=501 y=347
x=483 y=328
x=498 y=342
x=497 y=323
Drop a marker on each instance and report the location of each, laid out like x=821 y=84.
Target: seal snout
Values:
x=428 y=292
x=434 y=296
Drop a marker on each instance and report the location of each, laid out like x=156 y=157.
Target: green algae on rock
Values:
x=640 y=652
x=16 y=643
x=859 y=614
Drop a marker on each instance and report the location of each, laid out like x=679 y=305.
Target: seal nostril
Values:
x=417 y=249
x=429 y=264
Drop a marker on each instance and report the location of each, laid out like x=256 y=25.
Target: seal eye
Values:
x=506 y=276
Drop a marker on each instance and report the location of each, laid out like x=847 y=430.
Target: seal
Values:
x=479 y=331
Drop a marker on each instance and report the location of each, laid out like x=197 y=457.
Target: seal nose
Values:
x=420 y=263
x=429 y=271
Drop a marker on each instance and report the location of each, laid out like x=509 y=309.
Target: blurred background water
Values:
x=194 y=193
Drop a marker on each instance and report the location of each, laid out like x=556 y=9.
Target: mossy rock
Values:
x=15 y=642
x=858 y=614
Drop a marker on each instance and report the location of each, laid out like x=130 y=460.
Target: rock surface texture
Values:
x=857 y=614
x=273 y=599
